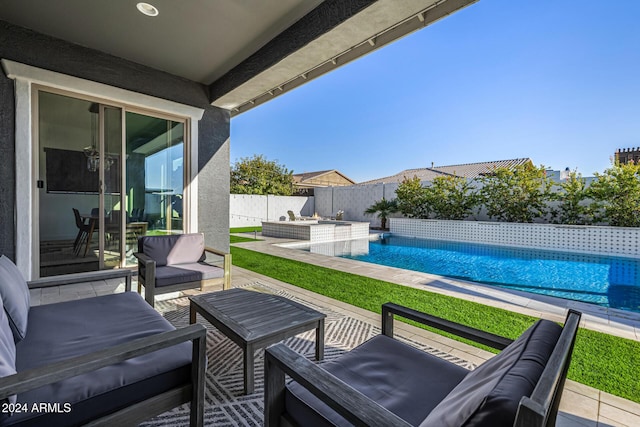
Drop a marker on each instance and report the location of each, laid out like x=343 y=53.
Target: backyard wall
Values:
x=619 y=241
x=353 y=200
x=249 y=210
x=327 y=201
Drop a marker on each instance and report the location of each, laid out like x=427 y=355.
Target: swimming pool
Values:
x=607 y=281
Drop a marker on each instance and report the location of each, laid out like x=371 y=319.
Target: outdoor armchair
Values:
x=177 y=262
x=386 y=382
x=106 y=360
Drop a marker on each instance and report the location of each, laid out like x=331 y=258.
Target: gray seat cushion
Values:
x=403 y=379
x=64 y=330
x=192 y=272
x=15 y=297
x=489 y=395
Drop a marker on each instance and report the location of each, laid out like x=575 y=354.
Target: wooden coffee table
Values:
x=255 y=319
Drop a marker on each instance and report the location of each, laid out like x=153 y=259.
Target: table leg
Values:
x=192 y=314
x=248 y=369
x=320 y=340
x=92 y=225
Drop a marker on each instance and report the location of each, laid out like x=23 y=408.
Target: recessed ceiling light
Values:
x=148 y=9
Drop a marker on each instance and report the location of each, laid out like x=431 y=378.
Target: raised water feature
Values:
x=316 y=231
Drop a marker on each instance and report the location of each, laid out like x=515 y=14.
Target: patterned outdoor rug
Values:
x=225 y=405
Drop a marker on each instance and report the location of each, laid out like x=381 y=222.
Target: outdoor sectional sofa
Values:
x=107 y=360
x=387 y=382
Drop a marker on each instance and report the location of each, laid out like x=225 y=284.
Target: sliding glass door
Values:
x=88 y=153
x=155 y=177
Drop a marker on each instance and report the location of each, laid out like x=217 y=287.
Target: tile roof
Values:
x=467 y=170
x=302 y=178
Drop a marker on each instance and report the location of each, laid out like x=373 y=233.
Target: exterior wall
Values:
x=619 y=241
x=249 y=210
x=213 y=178
x=628 y=155
x=30 y=48
x=7 y=170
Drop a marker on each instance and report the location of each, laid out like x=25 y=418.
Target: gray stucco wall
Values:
x=213 y=178
x=31 y=48
x=7 y=168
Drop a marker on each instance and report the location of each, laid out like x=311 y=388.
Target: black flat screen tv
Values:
x=67 y=172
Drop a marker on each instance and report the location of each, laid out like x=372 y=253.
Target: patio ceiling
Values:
x=246 y=51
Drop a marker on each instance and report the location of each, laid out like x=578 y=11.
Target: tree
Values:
x=257 y=175
x=616 y=195
x=384 y=208
x=451 y=197
x=573 y=208
x=411 y=199
x=518 y=194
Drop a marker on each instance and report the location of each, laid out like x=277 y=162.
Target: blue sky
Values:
x=557 y=81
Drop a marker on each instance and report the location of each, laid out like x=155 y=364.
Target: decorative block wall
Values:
x=619 y=241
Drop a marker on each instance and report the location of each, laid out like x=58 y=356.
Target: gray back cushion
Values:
x=15 y=297
x=173 y=249
x=489 y=395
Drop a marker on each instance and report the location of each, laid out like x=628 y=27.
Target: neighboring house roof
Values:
x=324 y=178
x=466 y=170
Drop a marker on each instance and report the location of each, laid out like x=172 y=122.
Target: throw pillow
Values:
x=490 y=394
x=7 y=351
x=15 y=297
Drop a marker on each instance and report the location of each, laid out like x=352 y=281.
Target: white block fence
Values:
x=602 y=240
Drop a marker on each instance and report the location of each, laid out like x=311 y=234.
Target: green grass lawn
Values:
x=599 y=360
x=245 y=229
x=239 y=239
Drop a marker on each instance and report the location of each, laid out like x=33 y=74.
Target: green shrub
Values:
x=452 y=197
x=574 y=207
x=411 y=199
x=518 y=194
x=616 y=195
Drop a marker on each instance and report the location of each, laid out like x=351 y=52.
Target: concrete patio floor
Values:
x=581 y=405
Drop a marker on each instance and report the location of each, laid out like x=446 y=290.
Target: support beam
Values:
x=249 y=94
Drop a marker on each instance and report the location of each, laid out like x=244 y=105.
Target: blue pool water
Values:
x=608 y=281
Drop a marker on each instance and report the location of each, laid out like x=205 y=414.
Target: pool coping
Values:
x=625 y=324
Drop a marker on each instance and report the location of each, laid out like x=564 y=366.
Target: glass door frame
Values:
x=188 y=154
x=102 y=186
